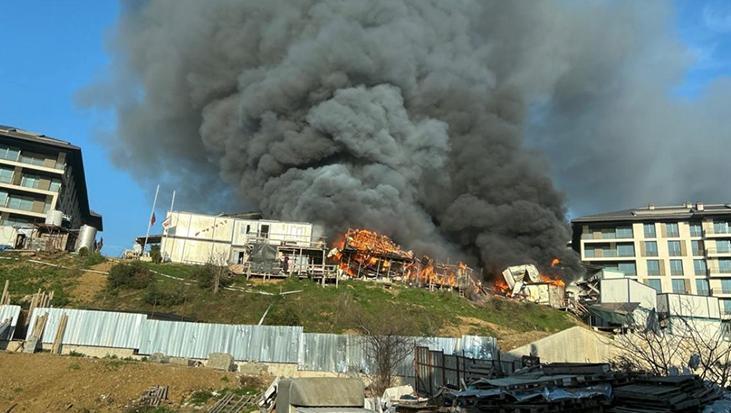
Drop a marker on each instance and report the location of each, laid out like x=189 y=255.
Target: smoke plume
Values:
x=408 y=117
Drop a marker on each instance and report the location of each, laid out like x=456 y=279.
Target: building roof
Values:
x=657 y=213
x=77 y=163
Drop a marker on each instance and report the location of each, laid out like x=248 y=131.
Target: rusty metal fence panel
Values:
x=434 y=370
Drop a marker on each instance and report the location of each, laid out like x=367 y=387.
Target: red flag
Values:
x=152 y=219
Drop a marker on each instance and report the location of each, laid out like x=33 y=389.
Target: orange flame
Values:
x=367 y=253
x=555 y=262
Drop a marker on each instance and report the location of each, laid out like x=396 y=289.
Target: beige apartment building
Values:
x=673 y=249
x=39 y=174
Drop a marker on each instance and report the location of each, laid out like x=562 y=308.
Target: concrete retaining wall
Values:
x=577 y=344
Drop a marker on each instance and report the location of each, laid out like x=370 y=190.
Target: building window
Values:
x=726 y=286
x=697 y=247
x=696 y=229
x=3 y=198
x=674 y=248
x=33 y=159
x=671 y=229
x=676 y=267
x=624 y=232
x=55 y=185
x=6 y=175
x=20 y=202
x=651 y=248
x=701 y=287
x=9 y=153
x=656 y=284
x=720 y=227
x=723 y=246
x=679 y=287
x=699 y=267
x=628 y=268
x=650 y=230
x=724 y=265
x=626 y=250
x=726 y=306
x=30 y=181
x=653 y=267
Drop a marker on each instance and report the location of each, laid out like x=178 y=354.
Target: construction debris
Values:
x=525 y=282
x=5 y=298
x=579 y=387
x=232 y=403
x=152 y=397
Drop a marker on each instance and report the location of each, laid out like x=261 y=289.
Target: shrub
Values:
x=83 y=252
x=206 y=274
x=283 y=315
x=134 y=275
x=93 y=259
x=155 y=295
x=155 y=255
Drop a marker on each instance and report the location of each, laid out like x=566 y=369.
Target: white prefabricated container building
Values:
x=199 y=239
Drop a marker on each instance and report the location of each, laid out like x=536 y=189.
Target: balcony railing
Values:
x=605 y=236
x=721 y=291
x=717 y=251
x=719 y=270
x=607 y=254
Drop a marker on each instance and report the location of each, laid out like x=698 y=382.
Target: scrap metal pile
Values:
x=363 y=253
x=573 y=387
x=527 y=283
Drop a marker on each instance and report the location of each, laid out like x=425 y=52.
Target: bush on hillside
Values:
x=155 y=254
x=156 y=295
x=134 y=275
x=205 y=275
x=282 y=315
x=93 y=259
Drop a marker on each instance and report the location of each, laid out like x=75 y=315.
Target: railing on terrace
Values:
x=607 y=253
x=715 y=251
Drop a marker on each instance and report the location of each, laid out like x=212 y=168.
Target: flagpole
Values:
x=149 y=221
x=170 y=211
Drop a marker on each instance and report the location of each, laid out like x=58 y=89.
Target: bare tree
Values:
x=385 y=350
x=386 y=346
x=676 y=343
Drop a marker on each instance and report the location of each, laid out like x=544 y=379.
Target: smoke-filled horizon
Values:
x=433 y=122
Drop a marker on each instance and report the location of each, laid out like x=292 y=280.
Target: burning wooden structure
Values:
x=362 y=253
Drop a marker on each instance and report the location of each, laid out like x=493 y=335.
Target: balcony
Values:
x=718 y=252
x=719 y=272
x=607 y=254
x=607 y=236
x=721 y=292
x=718 y=233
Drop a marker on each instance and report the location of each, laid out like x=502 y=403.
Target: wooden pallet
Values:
x=231 y=403
x=154 y=396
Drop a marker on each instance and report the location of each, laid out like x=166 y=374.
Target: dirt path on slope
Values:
x=91 y=284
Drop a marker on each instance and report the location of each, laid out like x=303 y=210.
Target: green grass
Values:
x=317 y=309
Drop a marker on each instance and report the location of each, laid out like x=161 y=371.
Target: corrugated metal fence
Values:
x=266 y=344
x=270 y=344
x=8 y=313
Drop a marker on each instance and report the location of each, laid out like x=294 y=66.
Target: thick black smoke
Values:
x=406 y=117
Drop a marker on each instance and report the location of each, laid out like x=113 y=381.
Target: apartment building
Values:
x=674 y=249
x=39 y=174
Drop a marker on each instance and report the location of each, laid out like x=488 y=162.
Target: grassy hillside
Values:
x=316 y=308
